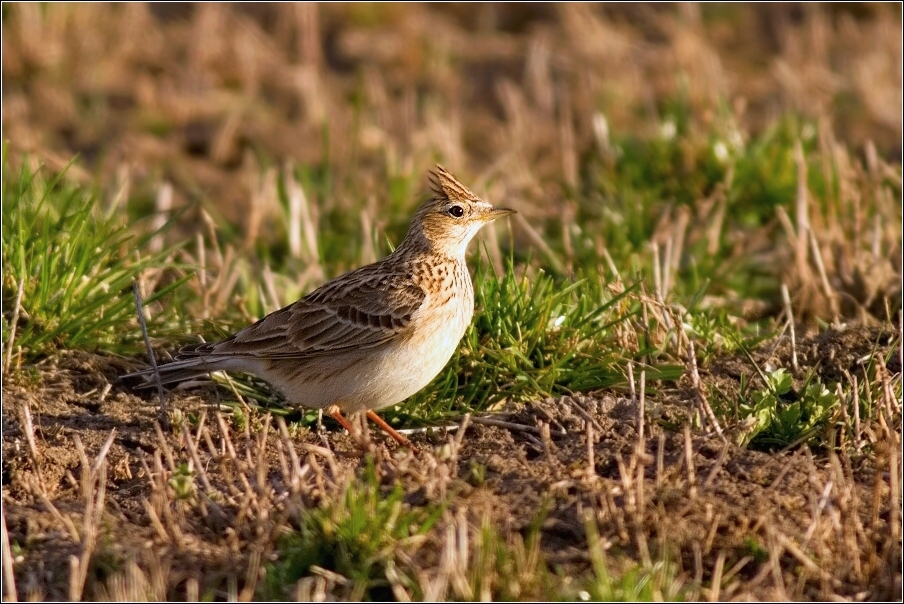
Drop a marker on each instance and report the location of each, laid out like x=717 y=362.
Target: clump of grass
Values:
x=717 y=331
x=69 y=268
x=533 y=337
x=657 y=583
x=508 y=569
x=356 y=539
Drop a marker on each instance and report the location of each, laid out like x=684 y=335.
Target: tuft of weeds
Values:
x=778 y=416
x=68 y=269
x=784 y=412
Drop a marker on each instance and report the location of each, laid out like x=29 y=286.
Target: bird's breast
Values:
x=433 y=338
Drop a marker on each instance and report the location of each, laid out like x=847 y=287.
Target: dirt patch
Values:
x=833 y=356
x=741 y=523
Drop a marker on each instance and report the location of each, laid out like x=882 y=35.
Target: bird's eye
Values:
x=456 y=211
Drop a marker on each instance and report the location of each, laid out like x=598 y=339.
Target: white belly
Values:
x=378 y=378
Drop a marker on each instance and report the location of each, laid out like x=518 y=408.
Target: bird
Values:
x=372 y=337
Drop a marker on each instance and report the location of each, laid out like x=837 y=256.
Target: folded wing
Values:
x=363 y=311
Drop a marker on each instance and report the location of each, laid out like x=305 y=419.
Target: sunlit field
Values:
x=683 y=377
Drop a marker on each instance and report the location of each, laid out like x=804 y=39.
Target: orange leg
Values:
x=389 y=430
x=336 y=415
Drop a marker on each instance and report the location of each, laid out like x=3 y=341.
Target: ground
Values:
x=745 y=523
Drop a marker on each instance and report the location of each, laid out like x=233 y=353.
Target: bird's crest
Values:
x=446 y=187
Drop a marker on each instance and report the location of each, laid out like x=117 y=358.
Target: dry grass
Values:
x=569 y=496
x=293 y=139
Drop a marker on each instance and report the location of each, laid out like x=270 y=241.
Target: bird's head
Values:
x=451 y=218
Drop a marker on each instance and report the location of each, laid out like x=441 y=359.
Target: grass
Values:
x=536 y=334
x=535 y=337
x=656 y=583
x=649 y=258
x=358 y=536
x=69 y=268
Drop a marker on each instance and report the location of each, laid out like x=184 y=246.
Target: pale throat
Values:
x=448 y=247
x=453 y=249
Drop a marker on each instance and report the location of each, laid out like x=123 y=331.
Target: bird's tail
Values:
x=177 y=371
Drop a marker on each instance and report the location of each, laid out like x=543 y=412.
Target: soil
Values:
x=790 y=524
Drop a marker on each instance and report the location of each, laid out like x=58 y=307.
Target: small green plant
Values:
x=781 y=416
x=755 y=549
x=182 y=481
x=239 y=419
x=477 y=473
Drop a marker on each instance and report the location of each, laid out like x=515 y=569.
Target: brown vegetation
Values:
x=205 y=105
x=747 y=524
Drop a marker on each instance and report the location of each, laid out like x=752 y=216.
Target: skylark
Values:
x=372 y=337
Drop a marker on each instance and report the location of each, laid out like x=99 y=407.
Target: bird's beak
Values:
x=494 y=213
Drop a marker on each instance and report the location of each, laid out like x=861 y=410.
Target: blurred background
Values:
x=206 y=105
x=198 y=94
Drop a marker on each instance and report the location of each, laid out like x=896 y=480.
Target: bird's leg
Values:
x=357 y=428
x=389 y=430
x=337 y=415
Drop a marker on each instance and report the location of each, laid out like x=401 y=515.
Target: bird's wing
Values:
x=361 y=310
